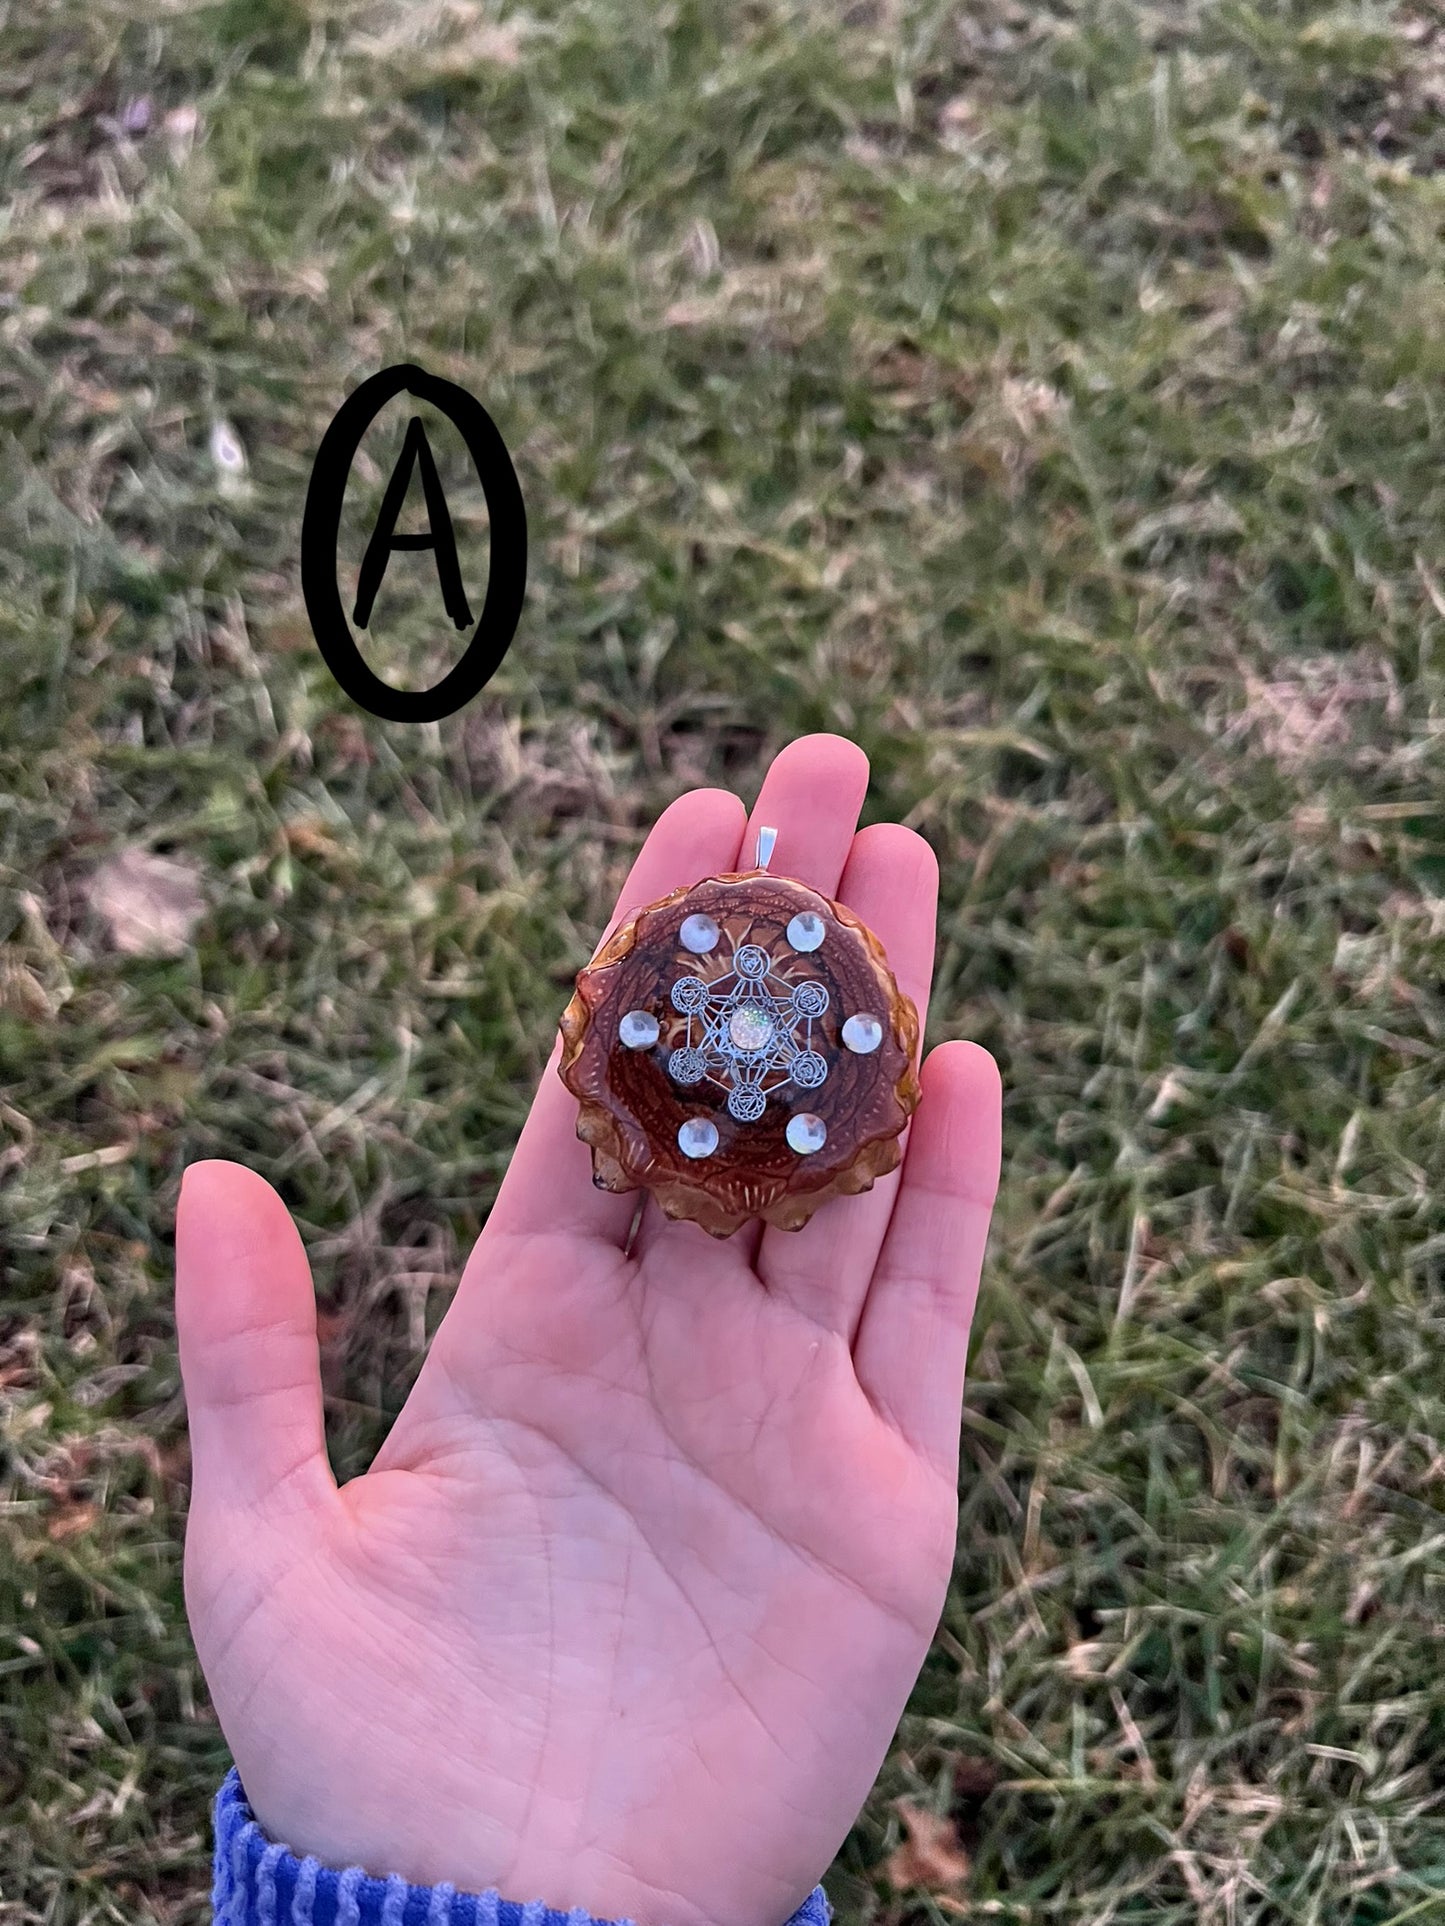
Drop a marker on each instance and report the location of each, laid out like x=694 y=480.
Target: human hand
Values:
x=627 y=1608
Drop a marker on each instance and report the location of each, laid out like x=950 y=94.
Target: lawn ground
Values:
x=1049 y=397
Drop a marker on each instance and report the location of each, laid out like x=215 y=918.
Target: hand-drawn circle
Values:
x=321 y=528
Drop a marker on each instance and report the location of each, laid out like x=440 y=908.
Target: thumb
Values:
x=246 y=1324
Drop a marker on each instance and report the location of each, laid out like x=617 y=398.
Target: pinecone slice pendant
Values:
x=742 y=1050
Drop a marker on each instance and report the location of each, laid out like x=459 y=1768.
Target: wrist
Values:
x=260 y=1881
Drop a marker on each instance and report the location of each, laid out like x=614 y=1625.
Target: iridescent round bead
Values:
x=750 y=1028
x=697 y=1137
x=862 y=1034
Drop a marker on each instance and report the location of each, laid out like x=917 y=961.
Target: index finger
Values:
x=548 y=1185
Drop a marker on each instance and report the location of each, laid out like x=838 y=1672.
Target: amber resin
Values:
x=742 y=1050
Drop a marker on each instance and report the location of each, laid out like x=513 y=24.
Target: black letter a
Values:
x=415 y=451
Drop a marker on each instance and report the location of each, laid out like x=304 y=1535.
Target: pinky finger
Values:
x=911 y=1347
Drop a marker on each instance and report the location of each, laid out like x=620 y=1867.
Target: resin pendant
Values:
x=742 y=1050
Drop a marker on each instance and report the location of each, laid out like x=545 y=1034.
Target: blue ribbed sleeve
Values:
x=261 y=1882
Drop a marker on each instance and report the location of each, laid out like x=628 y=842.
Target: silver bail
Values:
x=767 y=843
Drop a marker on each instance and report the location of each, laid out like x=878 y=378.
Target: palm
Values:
x=643 y=1574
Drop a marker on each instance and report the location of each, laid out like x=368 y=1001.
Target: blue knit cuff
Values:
x=260 y=1882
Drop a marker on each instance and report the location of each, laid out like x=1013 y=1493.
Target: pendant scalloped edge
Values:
x=613 y=1170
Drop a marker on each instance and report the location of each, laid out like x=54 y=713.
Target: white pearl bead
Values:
x=697 y=1137
x=699 y=934
x=862 y=1034
x=639 y=1030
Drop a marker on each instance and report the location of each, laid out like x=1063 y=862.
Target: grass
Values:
x=1048 y=396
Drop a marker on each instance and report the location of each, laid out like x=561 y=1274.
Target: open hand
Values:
x=625 y=1612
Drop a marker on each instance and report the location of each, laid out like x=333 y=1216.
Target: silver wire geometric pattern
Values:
x=749 y=1032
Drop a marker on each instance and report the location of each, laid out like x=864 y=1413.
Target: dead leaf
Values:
x=494 y=44
x=689 y=314
x=1030 y=402
x=932 y=1858
x=70 y=1520
x=149 y=904
x=974 y=1778
x=1086 y=1658
x=345 y=734
x=22 y=991
x=500 y=43
x=333 y=1327
x=97 y=1159
x=309 y=837
x=1237 y=947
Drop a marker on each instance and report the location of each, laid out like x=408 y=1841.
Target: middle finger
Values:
x=891 y=882
x=811 y=795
